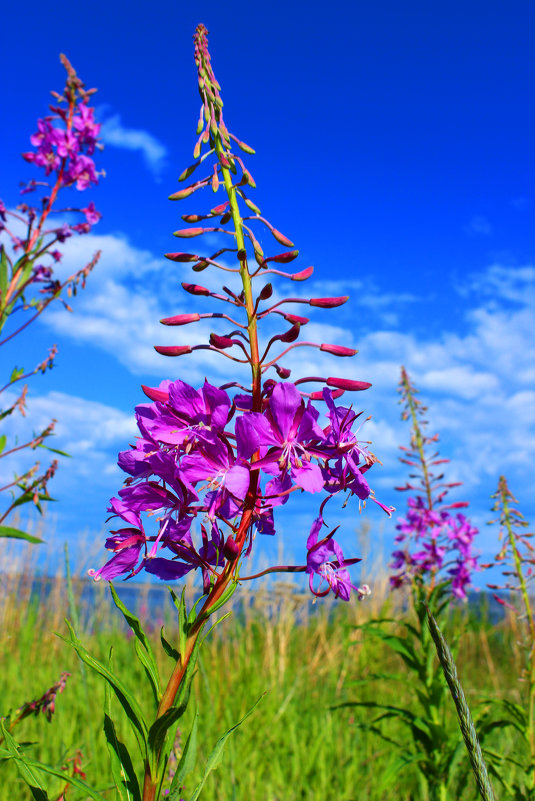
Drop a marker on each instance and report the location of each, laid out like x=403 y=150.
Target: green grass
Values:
x=295 y=745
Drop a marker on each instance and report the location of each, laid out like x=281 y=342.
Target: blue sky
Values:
x=394 y=146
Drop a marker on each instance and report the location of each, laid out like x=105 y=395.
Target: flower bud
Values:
x=266 y=292
x=338 y=350
x=192 y=218
x=182 y=193
x=292 y=334
x=294 y=318
x=328 y=303
x=172 y=350
x=347 y=384
x=155 y=394
x=319 y=395
x=181 y=256
x=186 y=233
x=303 y=275
x=281 y=239
x=181 y=319
x=283 y=372
x=225 y=218
x=230 y=549
x=217 y=210
x=195 y=289
x=221 y=342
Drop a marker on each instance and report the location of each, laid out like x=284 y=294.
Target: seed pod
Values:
x=348 y=384
x=303 y=275
x=195 y=289
x=172 y=350
x=338 y=350
x=181 y=319
x=329 y=303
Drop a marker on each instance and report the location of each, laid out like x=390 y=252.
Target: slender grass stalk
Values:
x=466 y=722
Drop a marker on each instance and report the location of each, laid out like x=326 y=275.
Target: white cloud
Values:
x=479 y=225
x=114 y=133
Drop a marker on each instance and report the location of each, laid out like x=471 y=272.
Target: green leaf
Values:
x=27 y=774
x=17 y=372
x=3 y=440
x=168 y=648
x=126 y=699
x=186 y=764
x=4 y=272
x=123 y=772
x=215 y=757
x=55 y=450
x=143 y=647
x=15 y=533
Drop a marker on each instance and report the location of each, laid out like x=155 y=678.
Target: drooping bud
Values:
x=182 y=257
x=284 y=258
x=188 y=171
x=221 y=342
x=195 y=289
x=182 y=193
x=186 y=233
x=250 y=204
x=295 y=318
x=319 y=395
x=329 y=303
x=281 y=239
x=282 y=372
x=172 y=350
x=181 y=319
x=347 y=384
x=155 y=394
x=338 y=350
x=292 y=334
x=217 y=210
x=225 y=218
x=193 y=218
x=266 y=292
x=303 y=275
x=200 y=266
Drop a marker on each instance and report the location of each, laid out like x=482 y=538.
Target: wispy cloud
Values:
x=479 y=225
x=114 y=133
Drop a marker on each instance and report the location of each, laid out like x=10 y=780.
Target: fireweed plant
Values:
x=210 y=468
x=433 y=562
x=30 y=241
x=516 y=557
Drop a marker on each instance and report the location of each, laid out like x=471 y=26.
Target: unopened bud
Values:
x=319 y=395
x=231 y=550
x=200 y=266
x=283 y=240
x=155 y=394
x=181 y=256
x=186 y=233
x=182 y=193
x=284 y=258
x=181 y=319
x=292 y=334
x=294 y=318
x=348 y=384
x=266 y=292
x=303 y=275
x=329 y=303
x=217 y=210
x=221 y=342
x=225 y=218
x=172 y=350
x=283 y=372
x=338 y=350
x=195 y=289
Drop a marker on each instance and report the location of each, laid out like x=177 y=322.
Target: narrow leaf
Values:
x=15 y=533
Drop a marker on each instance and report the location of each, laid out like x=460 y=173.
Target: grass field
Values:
x=302 y=660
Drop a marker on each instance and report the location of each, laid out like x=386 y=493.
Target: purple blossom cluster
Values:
x=202 y=456
x=439 y=535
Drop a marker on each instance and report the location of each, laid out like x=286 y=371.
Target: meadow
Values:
x=302 y=659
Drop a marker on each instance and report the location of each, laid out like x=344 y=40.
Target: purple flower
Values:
x=320 y=563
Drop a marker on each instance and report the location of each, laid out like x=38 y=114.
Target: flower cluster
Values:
x=444 y=540
x=440 y=534
x=190 y=464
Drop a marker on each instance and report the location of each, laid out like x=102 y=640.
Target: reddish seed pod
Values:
x=186 y=233
x=171 y=350
x=266 y=292
x=195 y=289
x=303 y=275
x=338 y=350
x=181 y=319
x=182 y=257
x=155 y=394
x=329 y=303
x=348 y=384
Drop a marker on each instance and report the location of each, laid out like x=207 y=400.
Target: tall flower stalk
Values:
x=63 y=148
